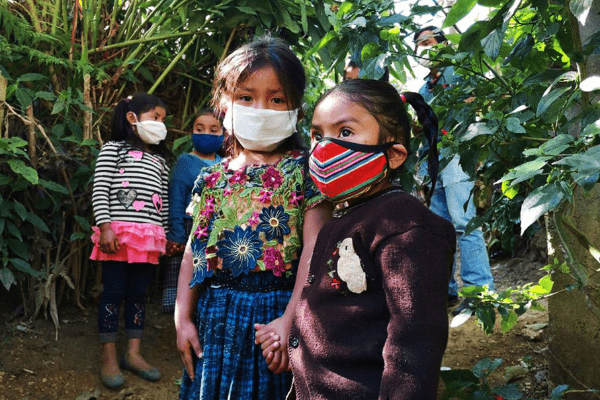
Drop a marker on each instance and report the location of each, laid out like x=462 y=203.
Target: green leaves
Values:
x=580 y=9
x=540 y=201
x=20 y=168
x=458 y=11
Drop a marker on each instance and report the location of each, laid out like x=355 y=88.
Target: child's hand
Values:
x=273 y=340
x=187 y=341
x=174 y=248
x=109 y=242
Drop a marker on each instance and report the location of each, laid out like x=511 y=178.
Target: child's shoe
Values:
x=113 y=381
x=151 y=375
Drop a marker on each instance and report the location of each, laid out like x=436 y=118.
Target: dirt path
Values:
x=33 y=366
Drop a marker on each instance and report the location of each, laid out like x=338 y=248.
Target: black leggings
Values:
x=123 y=282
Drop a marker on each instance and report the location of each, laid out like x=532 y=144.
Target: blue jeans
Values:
x=452 y=191
x=128 y=283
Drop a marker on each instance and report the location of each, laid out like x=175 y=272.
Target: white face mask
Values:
x=260 y=129
x=151 y=132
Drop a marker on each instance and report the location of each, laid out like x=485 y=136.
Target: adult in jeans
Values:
x=453 y=188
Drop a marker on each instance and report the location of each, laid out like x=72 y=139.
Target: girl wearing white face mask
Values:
x=131 y=206
x=253 y=214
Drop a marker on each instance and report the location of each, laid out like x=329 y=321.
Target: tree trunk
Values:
x=574 y=326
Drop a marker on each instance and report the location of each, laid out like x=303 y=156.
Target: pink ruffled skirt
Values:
x=140 y=243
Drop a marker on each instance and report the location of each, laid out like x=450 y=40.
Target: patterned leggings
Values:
x=123 y=282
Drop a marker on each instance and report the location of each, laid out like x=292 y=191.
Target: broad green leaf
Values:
x=18 y=247
x=391 y=20
x=19 y=167
x=508 y=392
x=59 y=105
x=509 y=321
x=322 y=43
x=540 y=201
x=23 y=97
x=492 y=43
x=13 y=230
x=458 y=11
x=7 y=278
x=553 y=147
x=345 y=8
x=508 y=190
x=582 y=163
x=46 y=95
x=20 y=210
x=83 y=222
x=53 y=186
x=580 y=9
x=77 y=236
x=514 y=125
x=371 y=50
x=486 y=366
x=486 y=319
x=547 y=283
x=549 y=99
x=591 y=129
x=31 y=77
x=24 y=266
x=38 y=222
x=474 y=130
x=525 y=171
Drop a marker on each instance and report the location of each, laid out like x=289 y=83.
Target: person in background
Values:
x=131 y=206
x=454 y=187
x=207 y=140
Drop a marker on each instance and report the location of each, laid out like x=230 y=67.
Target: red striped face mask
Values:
x=343 y=170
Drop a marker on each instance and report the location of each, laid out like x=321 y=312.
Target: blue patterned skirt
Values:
x=232 y=366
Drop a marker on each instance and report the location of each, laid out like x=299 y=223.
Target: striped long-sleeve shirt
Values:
x=130 y=185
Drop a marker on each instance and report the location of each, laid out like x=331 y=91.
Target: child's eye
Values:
x=246 y=98
x=345 y=133
x=278 y=100
x=317 y=137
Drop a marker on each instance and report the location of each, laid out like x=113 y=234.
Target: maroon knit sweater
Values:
x=387 y=341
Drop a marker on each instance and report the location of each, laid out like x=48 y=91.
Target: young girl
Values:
x=131 y=208
x=252 y=215
x=371 y=322
x=207 y=139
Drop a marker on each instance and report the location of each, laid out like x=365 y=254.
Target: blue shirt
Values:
x=180 y=192
x=448 y=77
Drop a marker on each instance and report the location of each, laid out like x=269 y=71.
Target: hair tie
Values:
x=127 y=99
x=403 y=97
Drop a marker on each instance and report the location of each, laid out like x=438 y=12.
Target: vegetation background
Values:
x=530 y=137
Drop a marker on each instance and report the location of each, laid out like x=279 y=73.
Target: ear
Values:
x=397 y=154
x=131 y=118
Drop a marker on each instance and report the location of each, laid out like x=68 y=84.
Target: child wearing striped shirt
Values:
x=130 y=200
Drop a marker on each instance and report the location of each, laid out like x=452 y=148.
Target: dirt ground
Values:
x=35 y=366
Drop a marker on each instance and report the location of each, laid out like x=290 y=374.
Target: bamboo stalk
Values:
x=87 y=115
x=113 y=20
x=144 y=40
x=3 y=83
x=55 y=16
x=171 y=65
x=145 y=21
x=85 y=28
x=31 y=139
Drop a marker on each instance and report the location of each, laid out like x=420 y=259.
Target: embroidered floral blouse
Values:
x=250 y=219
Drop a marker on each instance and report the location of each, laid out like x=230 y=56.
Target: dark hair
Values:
x=386 y=71
x=206 y=111
x=212 y=113
x=438 y=35
x=249 y=58
x=385 y=104
x=121 y=129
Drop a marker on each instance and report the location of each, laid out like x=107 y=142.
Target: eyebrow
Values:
x=337 y=123
x=270 y=91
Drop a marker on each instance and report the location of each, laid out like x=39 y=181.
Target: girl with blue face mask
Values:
x=256 y=217
x=207 y=139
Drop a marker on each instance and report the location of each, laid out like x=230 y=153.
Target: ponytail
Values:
x=429 y=121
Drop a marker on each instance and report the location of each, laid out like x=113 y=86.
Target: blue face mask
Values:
x=207 y=144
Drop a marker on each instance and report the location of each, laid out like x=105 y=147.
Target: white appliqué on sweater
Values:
x=349 y=267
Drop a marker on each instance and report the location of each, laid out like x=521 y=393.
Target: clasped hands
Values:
x=272 y=339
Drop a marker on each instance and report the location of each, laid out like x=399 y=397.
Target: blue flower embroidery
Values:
x=201 y=270
x=274 y=223
x=239 y=250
